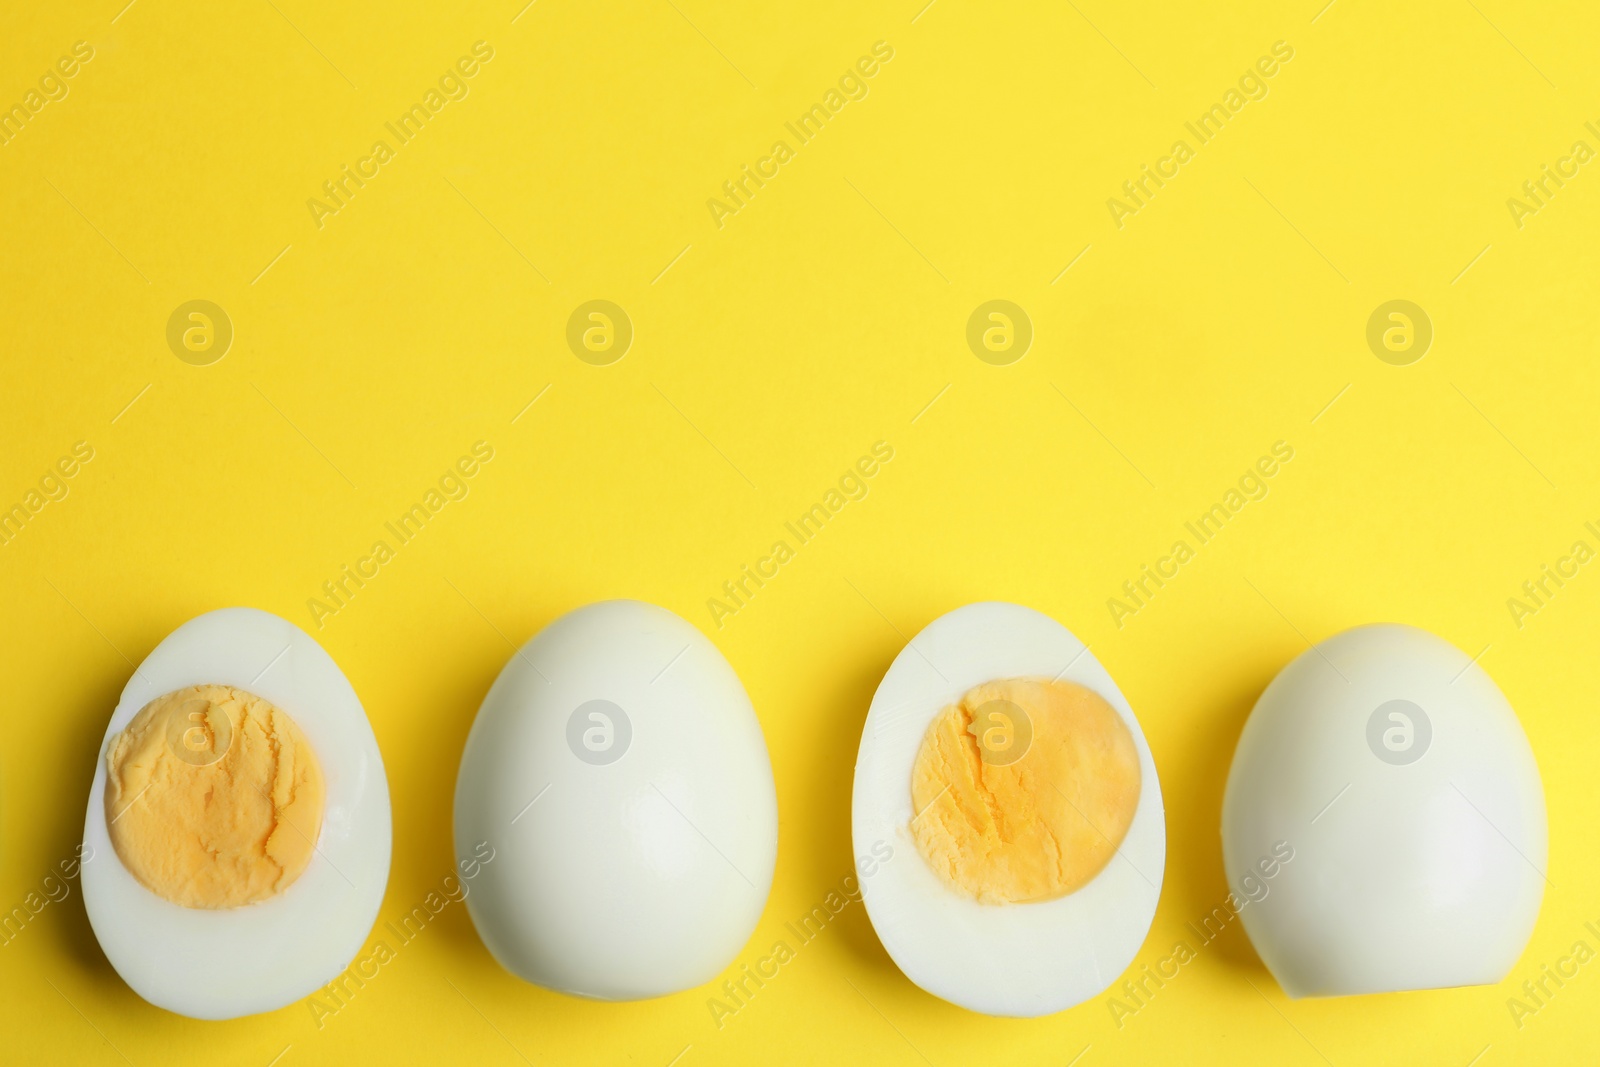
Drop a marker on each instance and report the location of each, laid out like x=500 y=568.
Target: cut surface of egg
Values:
x=214 y=797
x=617 y=773
x=1389 y=769
x=236 y=845
x=1006 y=777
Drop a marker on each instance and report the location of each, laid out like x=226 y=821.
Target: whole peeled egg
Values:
x=1384 y=822
x=236 y=845
x=618 y=773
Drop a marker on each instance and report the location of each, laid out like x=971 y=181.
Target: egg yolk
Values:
x=214 y=798
x=1023 y=790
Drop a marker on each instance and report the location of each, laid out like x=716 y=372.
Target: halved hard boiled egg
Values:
x=238 y=824
x=1012 y=783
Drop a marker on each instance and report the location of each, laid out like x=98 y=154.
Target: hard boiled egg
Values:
x=1392 y=770
x=238 y=823
x=619 y=772
x=1012 y=785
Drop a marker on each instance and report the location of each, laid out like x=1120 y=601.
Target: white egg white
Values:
x=1419 y=849
x=220 y=964
x=631 y=878
x=1010 y=959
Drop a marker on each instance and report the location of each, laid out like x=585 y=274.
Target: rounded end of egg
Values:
x=1384 y=825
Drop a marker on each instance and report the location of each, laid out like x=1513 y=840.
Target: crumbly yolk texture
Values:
x=214 y=798
x=1006 y=828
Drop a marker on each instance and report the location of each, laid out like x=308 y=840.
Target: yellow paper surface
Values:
x=771 y=347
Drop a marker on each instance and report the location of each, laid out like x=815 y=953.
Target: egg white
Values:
x=1012 y=959
x=220 y=964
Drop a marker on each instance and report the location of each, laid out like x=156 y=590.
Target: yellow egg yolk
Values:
x=1023 y=790
x=214 y=798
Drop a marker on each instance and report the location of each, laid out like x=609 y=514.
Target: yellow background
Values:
x=823 y=317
